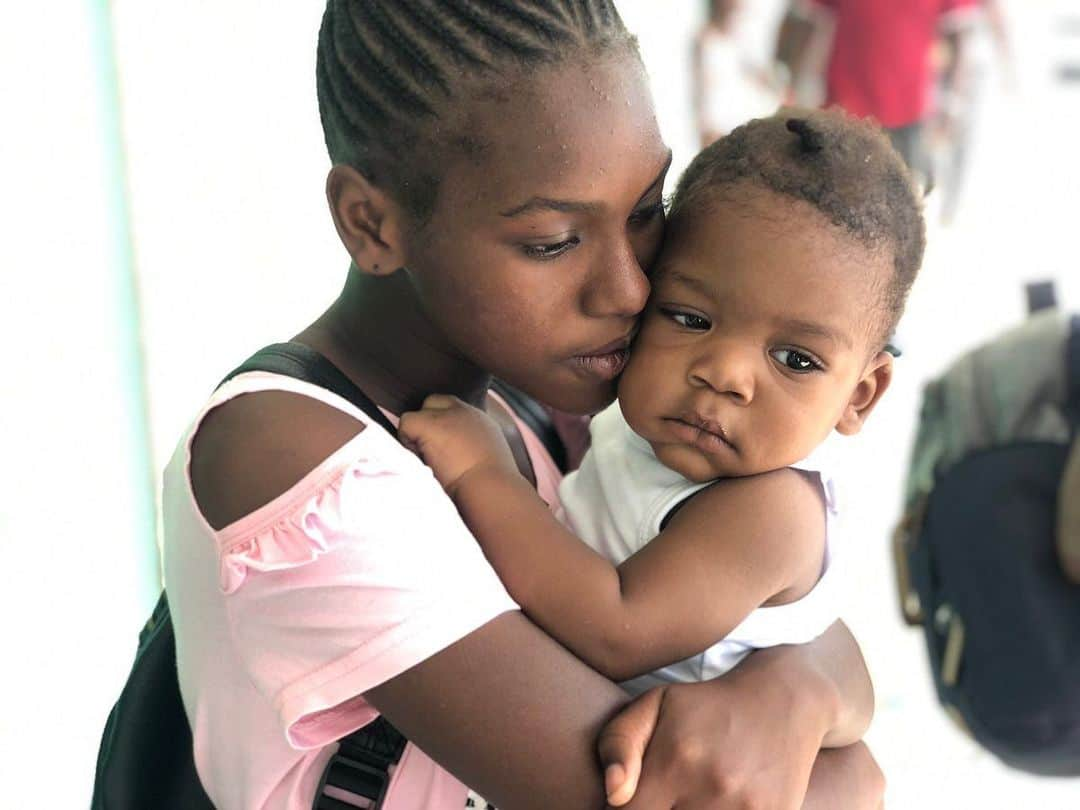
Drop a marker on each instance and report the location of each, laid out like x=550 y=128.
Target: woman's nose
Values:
x=726 y=372
x=617 y=287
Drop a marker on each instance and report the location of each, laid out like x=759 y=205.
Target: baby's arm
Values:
x=733 y=547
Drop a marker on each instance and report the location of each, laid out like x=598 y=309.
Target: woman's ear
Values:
x=369 y=222
x=873 y=383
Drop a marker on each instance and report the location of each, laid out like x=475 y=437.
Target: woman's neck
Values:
x=377 y=335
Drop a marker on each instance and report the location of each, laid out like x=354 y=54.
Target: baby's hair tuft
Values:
x=809 y=138
x=842 y=166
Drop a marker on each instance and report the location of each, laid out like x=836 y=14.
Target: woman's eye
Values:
x=794 y=360
x=550 y=251
x=645 y=215
x=689 y=320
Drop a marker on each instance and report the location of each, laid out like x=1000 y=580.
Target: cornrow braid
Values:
x=842 y=166
x=388 y=70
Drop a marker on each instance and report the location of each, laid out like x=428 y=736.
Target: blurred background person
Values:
x=732 y=83
x=880 y=61
x=988 y=48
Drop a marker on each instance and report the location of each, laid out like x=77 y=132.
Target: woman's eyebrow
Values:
x=576 y=206
x=548 y=204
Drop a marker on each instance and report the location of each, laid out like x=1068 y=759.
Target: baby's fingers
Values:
x=413 y=427
x=441 y=402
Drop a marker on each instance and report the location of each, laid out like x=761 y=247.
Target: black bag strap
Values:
x=534 y=416
x=304 y=363
x=1072 y=375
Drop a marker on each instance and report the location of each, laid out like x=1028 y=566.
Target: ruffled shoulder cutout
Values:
x=303 y=522
x=309 y=519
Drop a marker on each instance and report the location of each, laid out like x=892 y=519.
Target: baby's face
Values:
x=757 y=341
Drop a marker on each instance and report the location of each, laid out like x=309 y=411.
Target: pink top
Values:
x=286 y=617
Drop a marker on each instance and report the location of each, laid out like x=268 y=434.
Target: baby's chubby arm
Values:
x=732 y=548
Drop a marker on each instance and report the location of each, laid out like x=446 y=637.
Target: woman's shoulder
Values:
x=255 y=447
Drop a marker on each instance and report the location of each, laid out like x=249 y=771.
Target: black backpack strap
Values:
x=1072 y=374
x=304 y=363
x=534 y=416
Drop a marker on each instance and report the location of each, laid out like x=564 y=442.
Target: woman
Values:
x=497 y=185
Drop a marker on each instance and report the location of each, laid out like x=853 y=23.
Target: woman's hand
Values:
x=750 y=738
x=679 y=769
x=729 y=743
x=455 y=439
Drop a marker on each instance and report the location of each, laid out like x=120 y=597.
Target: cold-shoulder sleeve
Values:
x=359 y=572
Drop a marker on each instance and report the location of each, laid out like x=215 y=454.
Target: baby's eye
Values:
x=550 y=251
x=689 y=320
x=794 y=360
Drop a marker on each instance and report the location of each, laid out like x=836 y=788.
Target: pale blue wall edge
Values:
x=130 y=352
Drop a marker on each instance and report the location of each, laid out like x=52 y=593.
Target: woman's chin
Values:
x=574 y=396
x=581 y=399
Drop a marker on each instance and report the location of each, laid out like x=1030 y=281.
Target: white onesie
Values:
x=616 y=503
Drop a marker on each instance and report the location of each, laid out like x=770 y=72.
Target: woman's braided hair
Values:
x=842 y=166
x=387 y=71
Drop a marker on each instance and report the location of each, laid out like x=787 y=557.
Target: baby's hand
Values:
x=455 y=439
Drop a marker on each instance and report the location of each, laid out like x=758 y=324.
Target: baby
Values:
x=705 y=505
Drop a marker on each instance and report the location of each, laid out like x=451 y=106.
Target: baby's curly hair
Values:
x=842 y=166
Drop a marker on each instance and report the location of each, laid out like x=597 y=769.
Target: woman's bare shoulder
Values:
x=255 y=447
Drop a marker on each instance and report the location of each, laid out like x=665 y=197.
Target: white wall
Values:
x=76 y=505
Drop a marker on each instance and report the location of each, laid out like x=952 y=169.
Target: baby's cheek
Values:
x=632 y=392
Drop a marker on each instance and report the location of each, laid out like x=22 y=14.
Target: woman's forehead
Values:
x=581 y=130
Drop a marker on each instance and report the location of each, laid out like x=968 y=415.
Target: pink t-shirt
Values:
x=286 y=617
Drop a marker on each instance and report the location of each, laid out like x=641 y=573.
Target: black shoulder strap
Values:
x=1072 y=374
x=532 y=413
x=304 y=363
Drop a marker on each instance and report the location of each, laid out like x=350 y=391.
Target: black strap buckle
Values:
x=369 y=781
x=362 y=767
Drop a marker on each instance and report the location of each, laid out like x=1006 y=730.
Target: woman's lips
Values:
x=607 y=361
x=606 y=366
x=703 y=434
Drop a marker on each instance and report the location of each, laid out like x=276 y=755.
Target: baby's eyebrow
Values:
x=701 y=286
x=820 y=330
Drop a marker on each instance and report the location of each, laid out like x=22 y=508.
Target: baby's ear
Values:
x=368 y=220
x=873 y=383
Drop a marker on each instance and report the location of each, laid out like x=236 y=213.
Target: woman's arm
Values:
x=765 y=722
x=537 y=709
x=522 y=732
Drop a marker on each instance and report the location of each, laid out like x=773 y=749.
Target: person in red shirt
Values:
x=880 y=63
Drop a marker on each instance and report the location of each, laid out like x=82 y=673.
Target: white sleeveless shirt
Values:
x=616 y=503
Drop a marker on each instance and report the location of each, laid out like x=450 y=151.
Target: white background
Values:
x=229 y=235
